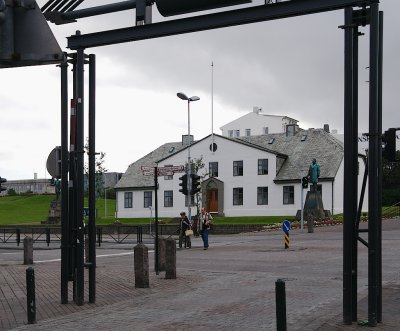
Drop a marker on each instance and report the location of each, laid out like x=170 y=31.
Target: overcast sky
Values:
x=291 y=67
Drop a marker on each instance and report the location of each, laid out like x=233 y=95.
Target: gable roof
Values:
x=133 y=177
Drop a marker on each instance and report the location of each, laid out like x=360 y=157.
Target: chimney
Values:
x=256 y=109
x=35 y=175
x=186 y=139
x=326 y=128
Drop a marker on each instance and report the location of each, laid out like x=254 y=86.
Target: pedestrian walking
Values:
x=205 y=221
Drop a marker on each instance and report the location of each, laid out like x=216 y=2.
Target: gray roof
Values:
x=317 y=144
x=295 y=152
x=133 y=177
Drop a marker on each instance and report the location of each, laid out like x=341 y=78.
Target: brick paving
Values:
x=229 y=287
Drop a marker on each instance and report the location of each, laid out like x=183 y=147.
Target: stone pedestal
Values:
x=162 y=242
x=170 y=259
x=141 y=258
x=28 y=250
x=54 y=216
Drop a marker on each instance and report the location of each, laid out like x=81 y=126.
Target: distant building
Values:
x=43 y=186
x=257 y=123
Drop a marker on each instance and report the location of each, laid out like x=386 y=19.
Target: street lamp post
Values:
x=189 y=180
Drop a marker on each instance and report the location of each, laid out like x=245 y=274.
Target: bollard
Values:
x=18 y=236
x=170 y=259
x=280 y=299
x=30 y=295
x=162 y=242
x=287 y=240
x=28 y=250
x=141 y=263
x=47 y=237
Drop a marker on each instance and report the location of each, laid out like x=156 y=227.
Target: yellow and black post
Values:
x=287 y=240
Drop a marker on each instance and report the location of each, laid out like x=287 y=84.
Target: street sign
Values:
x=172 y=168
x=165 y=172
x=286 y=226
x=162 y=171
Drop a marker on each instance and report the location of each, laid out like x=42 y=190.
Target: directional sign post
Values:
x=155 y=172
x=286 y=226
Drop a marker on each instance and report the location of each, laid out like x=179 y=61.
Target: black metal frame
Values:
x=369 y=14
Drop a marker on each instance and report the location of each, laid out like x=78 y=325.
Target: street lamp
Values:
x=183 y=96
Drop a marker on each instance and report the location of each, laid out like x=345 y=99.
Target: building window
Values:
x=148 y=199
x=238 y=196
x=213 y=169
x=288 y=195
x=168 y=199
x=262 y=195
x=237 y=133
x=247 y=132
x=238 y=168
x=170 y=177
x=265 y=130
x=128 y=198
x=230 y=133
x=263 y=166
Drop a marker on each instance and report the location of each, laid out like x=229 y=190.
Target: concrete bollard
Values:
x=28 y=250
x=162 y=242
x=141 y=257
x=170 y=259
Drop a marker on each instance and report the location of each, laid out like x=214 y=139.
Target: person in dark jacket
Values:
x=205 y=223
x=184 y=225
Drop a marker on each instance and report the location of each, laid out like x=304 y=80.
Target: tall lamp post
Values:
x=183 y=96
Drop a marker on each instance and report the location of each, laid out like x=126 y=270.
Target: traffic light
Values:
x=2 y=188
x=183 y=183
x=389 y=149
x=195 y=184
x=304 y=182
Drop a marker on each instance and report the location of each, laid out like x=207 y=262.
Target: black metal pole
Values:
x=373 y=199
x=348 y=219
x=92 y=180
x=30 y=295
x=72 y=189
x=354 y=183
x=156 y=255
x=280 y=301
x=379 y=240
x=64 y=183
x=80 y=176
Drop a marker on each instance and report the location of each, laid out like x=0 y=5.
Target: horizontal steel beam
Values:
x=212 y=21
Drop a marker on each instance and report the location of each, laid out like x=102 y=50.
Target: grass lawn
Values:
x=32 y=209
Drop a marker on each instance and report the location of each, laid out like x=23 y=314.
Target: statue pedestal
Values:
x=54 y=216
x=313 y=209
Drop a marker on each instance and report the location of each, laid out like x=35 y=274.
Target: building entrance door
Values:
x=212 y=198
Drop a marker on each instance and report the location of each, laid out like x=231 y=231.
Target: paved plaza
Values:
x=230 y=286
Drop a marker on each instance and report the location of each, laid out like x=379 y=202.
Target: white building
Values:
x=257 y=123
x=247 y=176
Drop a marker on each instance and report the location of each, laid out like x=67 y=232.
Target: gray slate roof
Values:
x=317 y=144
x=296 y=156
x=133 y=177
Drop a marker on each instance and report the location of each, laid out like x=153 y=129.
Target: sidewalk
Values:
x=231 y=286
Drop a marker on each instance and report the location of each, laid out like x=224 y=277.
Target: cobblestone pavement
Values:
x=231 y=286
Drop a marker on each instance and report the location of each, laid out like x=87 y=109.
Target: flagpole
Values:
x=212 y=106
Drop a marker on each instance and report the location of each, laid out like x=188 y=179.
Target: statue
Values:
x=57 y=187
x=313 y=172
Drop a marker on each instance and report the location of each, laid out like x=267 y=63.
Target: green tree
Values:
x=99 y=170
